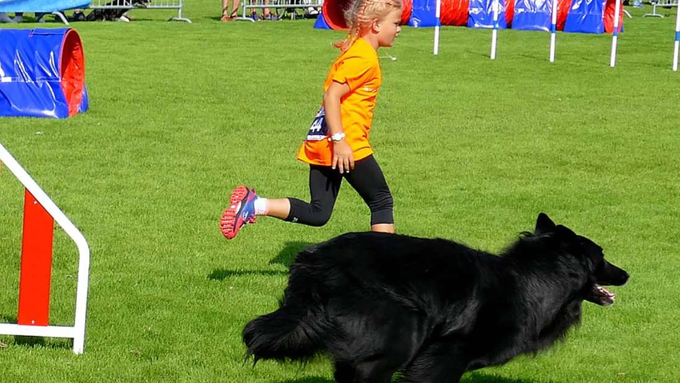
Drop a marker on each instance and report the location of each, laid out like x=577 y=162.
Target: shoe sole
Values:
x=228 y=220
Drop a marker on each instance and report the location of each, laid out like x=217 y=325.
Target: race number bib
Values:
x=318 y=130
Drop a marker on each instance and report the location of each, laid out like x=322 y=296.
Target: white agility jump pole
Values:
x=438 y=11
x=494 y=33
x=77 y=331
x=677 y=41
x=553 y=31
x=615 y=34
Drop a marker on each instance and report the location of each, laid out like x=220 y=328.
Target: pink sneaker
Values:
x=241 y=210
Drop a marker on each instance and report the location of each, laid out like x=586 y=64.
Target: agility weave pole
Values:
x=437 y=27
x=553 y=30
x=615 y=34
x=494 y=31
x=40 y=212
x=677 y=41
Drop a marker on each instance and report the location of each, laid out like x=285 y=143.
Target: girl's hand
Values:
x=342 y=156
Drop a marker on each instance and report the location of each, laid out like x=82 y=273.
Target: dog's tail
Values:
x=297 y=330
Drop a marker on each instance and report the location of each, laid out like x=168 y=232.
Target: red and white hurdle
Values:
x=40 y=212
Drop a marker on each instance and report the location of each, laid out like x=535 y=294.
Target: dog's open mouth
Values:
x=601 y=296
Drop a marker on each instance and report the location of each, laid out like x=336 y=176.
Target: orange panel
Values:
x=36 y=264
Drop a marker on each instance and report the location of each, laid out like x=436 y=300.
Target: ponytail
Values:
x=354 y=17
x=359 y=15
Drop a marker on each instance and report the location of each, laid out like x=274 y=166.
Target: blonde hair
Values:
x=360 y=14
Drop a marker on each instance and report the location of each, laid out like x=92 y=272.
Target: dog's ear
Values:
x=544 y=224
x=565 y=232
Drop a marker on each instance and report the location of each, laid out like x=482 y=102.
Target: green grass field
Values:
x=473 y=150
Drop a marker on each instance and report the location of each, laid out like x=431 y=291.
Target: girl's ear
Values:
x=375 y=25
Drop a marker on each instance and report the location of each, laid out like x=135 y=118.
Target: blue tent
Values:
x=321 y=23
x=42 y=73
x=423 y=13
x=481 y=14
x=532 y=15
x=585 y=16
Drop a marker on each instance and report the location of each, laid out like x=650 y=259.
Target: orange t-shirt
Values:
x=359 y=68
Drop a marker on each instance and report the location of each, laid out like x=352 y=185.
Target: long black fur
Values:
x=431 y=308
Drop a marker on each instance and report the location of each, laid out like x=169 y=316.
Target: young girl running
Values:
x=337 y=144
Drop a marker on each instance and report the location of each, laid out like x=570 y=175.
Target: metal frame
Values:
x=155 y=4
x=61 y=16
x=279 y=6
x=661 y=3
x=77 y=331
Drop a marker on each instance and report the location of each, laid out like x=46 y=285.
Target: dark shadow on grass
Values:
x=8 y=318
x=474 y=377
x=219 y=18
x=30 y=341
x=307 y=380
x=285 y=257
x=35 y=341
x=477 y=53
x=222 y=274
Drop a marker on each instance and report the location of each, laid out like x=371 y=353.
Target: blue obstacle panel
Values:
x=532 y=15
x=41 y=5
x=423 y=14
x=585 y=16
x=481 y=14
x=42 y=73
x=321 y=22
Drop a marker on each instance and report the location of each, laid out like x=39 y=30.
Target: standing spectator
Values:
x=266 y=14
x=229 y=16
x=78 y=15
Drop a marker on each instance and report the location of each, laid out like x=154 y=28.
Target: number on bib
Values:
x=318 y=130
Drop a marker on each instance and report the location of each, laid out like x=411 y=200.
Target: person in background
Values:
x=230 y=16
x=78 y=15
x=266 y=13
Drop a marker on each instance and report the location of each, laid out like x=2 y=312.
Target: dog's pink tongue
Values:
x=606 y=292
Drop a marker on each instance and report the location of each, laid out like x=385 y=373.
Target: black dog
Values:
x=113 y=14
x=431 y=308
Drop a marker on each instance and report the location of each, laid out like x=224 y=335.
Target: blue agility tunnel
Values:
x=42 y=73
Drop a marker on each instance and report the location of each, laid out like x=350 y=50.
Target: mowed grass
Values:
x=473 y=150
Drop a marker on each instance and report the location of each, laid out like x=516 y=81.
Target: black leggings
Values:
x=324 y=184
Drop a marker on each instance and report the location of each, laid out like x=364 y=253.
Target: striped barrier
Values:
x=40 y=213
